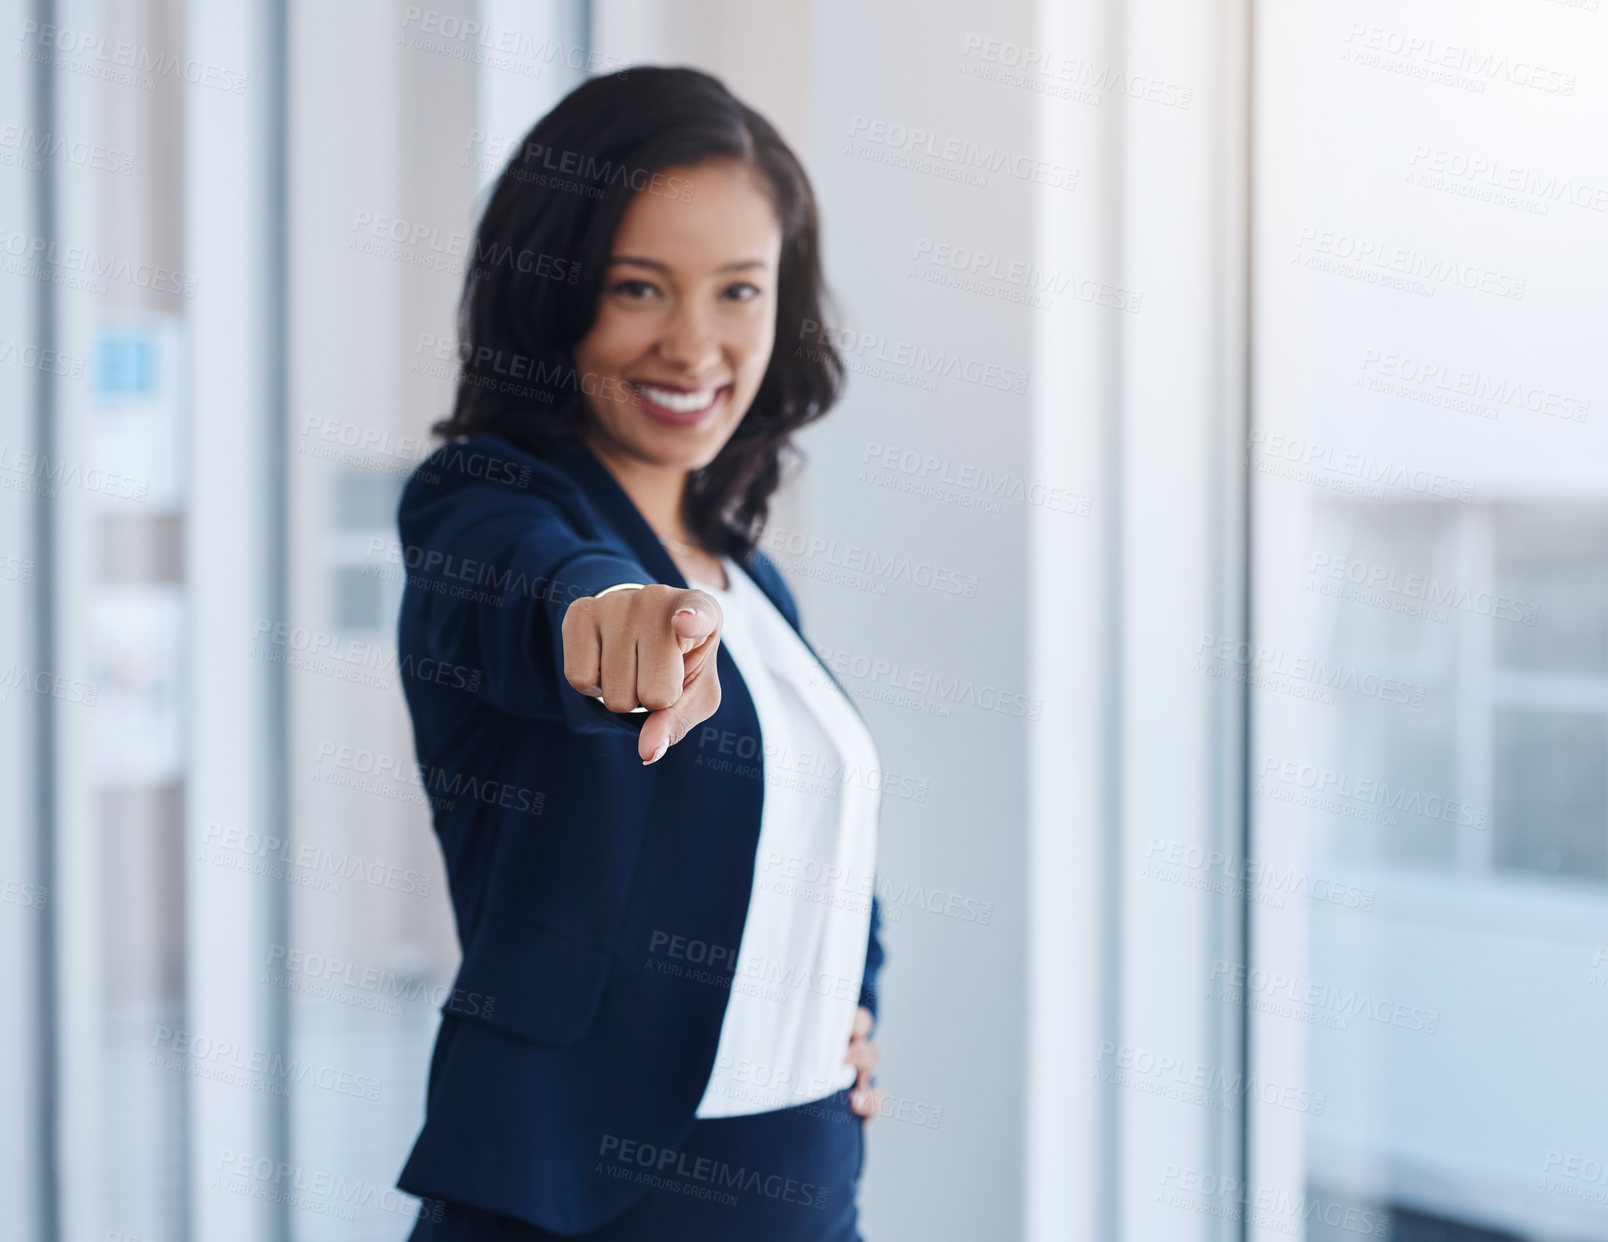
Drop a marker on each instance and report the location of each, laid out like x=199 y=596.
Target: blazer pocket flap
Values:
x=527 y=980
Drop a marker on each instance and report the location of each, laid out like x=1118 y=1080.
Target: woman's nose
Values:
x=689 y=340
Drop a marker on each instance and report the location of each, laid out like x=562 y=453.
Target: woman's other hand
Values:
x=864 y=1099
x=652 y=646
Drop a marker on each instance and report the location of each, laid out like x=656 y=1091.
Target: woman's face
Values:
x=687 y=318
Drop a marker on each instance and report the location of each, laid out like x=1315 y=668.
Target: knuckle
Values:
x=656 y=699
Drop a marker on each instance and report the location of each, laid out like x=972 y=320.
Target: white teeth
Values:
x=679 y=402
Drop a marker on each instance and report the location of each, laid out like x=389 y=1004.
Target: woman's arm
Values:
x=495 y=549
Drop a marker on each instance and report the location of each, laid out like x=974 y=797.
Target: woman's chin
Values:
x=683 y=448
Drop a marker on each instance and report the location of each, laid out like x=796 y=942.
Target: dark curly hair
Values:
x=536 y=274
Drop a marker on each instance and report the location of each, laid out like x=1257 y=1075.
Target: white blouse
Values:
x=796 y=985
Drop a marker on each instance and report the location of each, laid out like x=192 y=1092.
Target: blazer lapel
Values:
x=576 y=456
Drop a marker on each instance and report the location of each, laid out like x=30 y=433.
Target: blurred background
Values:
x=1215 y=532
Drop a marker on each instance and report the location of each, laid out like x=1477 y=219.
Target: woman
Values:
x=658 y=808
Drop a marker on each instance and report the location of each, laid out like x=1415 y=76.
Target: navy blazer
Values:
x=599 y=903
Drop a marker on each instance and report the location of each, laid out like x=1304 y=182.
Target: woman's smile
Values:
x=678 y=405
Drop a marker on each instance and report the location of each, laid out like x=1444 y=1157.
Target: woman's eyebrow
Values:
x=739 y=265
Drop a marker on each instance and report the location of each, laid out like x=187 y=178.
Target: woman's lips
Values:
x=680 y=407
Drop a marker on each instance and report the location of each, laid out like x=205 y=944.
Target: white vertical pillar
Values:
x=1178 y=942
x=1073 y=623
x=76 y=905
x=24 y=911
x=1132 y=393
x=228 y=200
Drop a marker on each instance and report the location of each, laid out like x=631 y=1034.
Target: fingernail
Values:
x=658 y=754
x=679 y=611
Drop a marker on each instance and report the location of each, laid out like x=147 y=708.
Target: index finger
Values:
x=664 y=666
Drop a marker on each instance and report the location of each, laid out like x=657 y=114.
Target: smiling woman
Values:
x=651 y=1036
x=685 y=212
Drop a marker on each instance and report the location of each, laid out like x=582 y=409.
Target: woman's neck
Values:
x=656 y=491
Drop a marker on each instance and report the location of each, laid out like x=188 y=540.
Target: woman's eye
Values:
x=742 y=292
x=633 y=288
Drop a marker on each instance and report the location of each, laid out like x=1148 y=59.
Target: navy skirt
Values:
x=790 y=1175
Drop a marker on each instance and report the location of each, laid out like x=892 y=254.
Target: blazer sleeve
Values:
x=494 y=554
x=873 y=961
